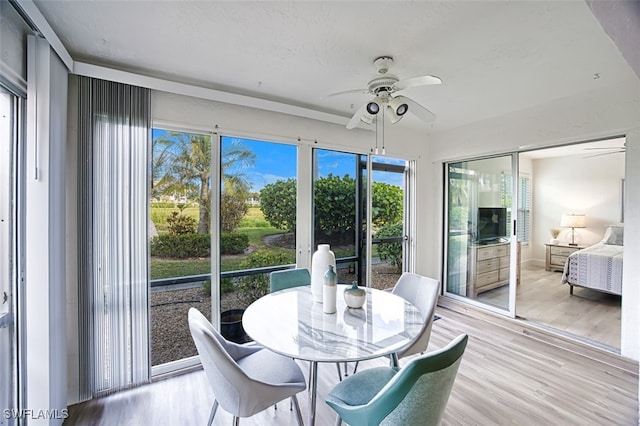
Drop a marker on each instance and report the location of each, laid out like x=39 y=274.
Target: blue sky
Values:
x=276 y=161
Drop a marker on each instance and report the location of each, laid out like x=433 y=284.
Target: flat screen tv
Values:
x=492 y=223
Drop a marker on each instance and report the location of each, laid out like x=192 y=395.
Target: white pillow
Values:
x=614 y=235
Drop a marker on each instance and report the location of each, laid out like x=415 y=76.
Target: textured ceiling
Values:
x=493 y=57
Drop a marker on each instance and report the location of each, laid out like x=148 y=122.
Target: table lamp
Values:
x=573 y=221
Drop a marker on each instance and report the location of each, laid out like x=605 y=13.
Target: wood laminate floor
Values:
x=507 y=377
x=588 y=315
x=592 y=315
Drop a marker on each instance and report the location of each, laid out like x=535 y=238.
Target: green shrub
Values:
x=391 y=251
x=233 y=243
x=386 y=203
x=253 y=287
x=278 y=203
x=181 y=246
x=334 y=204
x=233 y=207
x=226 y=286
x=180 y=224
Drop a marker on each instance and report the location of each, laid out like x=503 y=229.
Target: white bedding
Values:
x=598 y=267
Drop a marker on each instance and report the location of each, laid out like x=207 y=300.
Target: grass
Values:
x=171 y=268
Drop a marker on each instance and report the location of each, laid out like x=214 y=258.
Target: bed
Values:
x=598 y=267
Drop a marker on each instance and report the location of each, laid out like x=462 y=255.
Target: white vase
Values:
x=322 y=258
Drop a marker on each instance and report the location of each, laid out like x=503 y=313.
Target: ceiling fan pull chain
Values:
x=383 y=109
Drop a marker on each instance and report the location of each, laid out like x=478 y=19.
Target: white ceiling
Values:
x=493 y=57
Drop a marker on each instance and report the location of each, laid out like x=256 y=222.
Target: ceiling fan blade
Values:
x=422 y=80
x=356 y=117
x=346 y=92
x=604 y=153
x=418 y=110
x=606 y=147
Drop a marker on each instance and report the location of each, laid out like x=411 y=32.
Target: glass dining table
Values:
x=290 y=323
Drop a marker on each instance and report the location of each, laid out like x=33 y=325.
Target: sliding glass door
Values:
x=9 y=126
x=481 y=245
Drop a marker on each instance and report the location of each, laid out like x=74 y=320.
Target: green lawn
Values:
x=171 y=268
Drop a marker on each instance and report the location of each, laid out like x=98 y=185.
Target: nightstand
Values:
x=557 y=256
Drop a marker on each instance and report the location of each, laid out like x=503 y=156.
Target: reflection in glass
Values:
x=479 y=229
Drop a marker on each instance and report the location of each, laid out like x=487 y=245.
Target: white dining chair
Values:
x=245 y=379
x=422 y=292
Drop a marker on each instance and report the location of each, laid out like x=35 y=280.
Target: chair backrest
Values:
x=422 y=292
x=287 y=278
x=418 y=393
x=226 y=378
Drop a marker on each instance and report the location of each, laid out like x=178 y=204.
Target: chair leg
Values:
x=339 y=372
x=355 y=367
x=214 y=408
x=236 y=421
x=338 y=421
x=294 y=401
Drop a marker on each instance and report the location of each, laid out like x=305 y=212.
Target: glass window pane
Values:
x=258 y=222
x=180 y=246
x=336 y=207
x=388 y=200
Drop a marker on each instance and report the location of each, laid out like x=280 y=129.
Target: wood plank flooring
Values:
x=506 y=377
x=588 y=314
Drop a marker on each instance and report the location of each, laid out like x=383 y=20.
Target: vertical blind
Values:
x=113 y=141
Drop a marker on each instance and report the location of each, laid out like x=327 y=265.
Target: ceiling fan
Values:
x=610 y=150
x=385 y=88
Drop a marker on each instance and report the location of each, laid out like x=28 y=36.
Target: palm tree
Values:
x=182 y=163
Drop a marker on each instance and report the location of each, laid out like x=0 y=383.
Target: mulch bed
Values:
x=170 y=336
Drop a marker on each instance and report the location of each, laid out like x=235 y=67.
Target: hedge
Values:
x=196 y=245
x=181 y=246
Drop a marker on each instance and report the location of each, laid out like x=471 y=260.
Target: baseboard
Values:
x=591 y=350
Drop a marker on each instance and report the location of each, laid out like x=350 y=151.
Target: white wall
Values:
x=575 y=184
x=605 y=112
x=44 y=222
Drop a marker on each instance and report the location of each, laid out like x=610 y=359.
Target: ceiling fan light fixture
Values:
x=398 y=106
x=367 y=118
x=373 y=108
x=393 y=116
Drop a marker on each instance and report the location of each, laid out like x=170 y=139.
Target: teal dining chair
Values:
x=287 y=278
x=415 y=394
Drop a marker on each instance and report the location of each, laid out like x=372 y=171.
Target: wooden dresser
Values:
x=489 y=267
x=557 y=256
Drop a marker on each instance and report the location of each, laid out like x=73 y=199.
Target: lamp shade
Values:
x=573 y=221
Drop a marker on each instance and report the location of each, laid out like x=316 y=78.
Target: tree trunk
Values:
x=204 y=208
